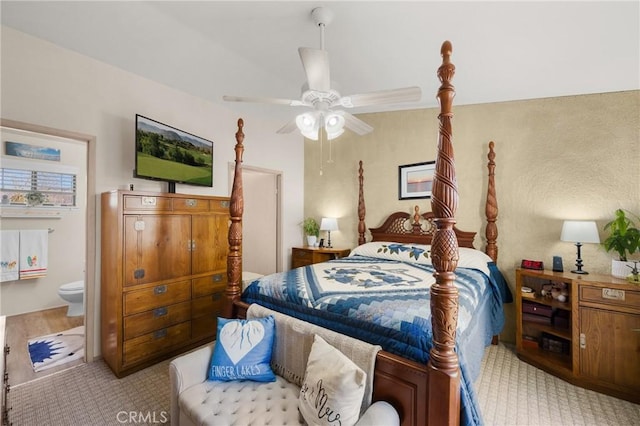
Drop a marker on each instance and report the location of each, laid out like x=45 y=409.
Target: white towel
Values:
x=9 y=253
x=34 y=245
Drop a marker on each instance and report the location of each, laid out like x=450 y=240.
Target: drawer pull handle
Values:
x=159 y=334
x=161 y=289
x=160 y=312
x=138 y=274
x=191 y=202
x=148 y=201
x=612 y=294
x=217 y=278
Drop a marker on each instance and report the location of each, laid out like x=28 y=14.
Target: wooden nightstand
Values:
x=591 y=340
x=303 y=256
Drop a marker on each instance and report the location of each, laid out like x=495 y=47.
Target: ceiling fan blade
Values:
x=288 y=128
x=276 y=101
x=355 y=124
x=316 y=65
x=405 y=94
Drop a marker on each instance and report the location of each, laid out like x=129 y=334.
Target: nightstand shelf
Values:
x=564 y=334
x=591 y=339
x=554 y=363
x=549 y=302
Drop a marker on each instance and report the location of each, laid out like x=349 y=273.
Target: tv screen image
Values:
x=172 y=155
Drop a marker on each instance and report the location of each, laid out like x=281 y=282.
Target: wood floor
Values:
x=21 y=328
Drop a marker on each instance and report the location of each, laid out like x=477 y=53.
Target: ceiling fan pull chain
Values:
x=321 y=138
x=330 y=151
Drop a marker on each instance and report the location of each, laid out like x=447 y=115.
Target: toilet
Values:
x=73 y=294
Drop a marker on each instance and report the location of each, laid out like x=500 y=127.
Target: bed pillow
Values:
x=421 y=253
x=243 y=350
x=474 y=259
x=406 y=252
x=333 y=387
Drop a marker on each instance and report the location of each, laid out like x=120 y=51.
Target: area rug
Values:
x=56 y=349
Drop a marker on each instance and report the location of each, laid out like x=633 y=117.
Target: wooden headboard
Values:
x=417 y=228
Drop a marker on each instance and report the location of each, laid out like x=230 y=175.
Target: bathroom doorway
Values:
x=33 y=307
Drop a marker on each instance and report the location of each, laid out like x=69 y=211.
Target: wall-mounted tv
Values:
x=172 y=155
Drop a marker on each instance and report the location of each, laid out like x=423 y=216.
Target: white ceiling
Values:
x=502 y=50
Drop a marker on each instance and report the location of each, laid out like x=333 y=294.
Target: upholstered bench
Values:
x=198 y=401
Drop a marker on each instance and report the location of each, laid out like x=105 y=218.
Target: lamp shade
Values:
x=329 y=224
x=580 y=231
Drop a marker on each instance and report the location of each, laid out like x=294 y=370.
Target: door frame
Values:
x=278 y=179
x=90 y=243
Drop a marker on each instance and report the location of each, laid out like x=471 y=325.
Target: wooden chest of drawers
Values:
x=302 y=256
x=164 y=273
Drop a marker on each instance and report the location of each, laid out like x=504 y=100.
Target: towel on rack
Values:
x=9 y=255
x=34 y=246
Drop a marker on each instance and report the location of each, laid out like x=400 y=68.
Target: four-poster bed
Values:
x=427 y=391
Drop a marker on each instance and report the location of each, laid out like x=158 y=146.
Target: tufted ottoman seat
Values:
x=198 y=401
x=255 y=403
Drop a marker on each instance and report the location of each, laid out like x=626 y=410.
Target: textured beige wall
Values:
x=575 y=157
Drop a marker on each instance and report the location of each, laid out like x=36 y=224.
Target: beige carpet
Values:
x=90 y=395
x=510 y=392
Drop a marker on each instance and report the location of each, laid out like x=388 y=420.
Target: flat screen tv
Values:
x=172 y=155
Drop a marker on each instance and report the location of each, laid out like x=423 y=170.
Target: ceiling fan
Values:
x=325 y=102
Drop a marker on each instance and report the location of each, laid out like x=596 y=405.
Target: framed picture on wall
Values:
x=416 y=180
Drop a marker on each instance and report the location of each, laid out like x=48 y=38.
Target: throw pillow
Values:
x=333 y=387
x=243 y=350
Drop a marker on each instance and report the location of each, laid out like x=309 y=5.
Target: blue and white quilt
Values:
x=380 y=294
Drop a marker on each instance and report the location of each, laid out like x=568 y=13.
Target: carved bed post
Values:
x=491 y=208
x=416 y=226
x=236 y=208
x=444 y=369
x=362 y=227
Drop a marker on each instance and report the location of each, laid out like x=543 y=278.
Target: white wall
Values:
x=46 y=85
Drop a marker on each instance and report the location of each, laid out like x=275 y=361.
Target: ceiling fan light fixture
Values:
x=320 y=94
x=334 y=125
x=308 y=125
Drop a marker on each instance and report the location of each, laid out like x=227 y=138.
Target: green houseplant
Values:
x=311 y=229
x=623 y=239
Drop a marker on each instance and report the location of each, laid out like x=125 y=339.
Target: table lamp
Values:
x=579 y=232
x=329 y=224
